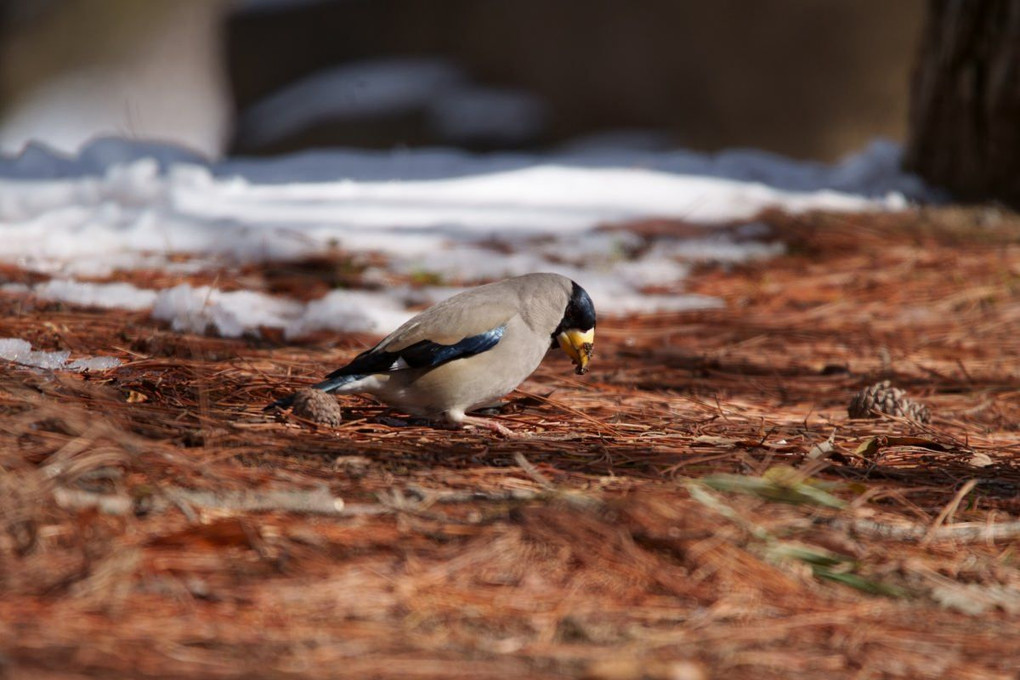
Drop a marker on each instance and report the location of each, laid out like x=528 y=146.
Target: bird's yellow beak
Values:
x=578 y=344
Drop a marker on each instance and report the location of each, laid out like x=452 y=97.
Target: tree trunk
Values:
x=965 y=100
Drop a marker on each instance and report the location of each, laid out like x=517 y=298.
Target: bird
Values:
x=468 y=351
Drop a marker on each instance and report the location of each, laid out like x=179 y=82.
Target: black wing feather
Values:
x=422 y=354
x=428 y=354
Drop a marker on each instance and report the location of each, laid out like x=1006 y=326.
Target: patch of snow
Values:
x=13 y=349
x=230 y=314
x=79 y=225
x=104 y=295
x=94 y=364
x=349 y=310
x=20 y=352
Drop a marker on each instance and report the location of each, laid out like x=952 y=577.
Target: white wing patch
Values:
x=370 y=383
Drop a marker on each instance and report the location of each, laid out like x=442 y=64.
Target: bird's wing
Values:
x=457 y=328
x=474 y=312
x=421 y=354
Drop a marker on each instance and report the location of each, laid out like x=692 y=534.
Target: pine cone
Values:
x=317 y=406
x=885 y=398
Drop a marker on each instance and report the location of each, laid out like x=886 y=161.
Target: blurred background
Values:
x=807 y=79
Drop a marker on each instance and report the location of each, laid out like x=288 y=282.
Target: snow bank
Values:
x=20 y=352
x=104 y=295
x=443 y=213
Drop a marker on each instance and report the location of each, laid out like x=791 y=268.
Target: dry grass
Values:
x=698 y=506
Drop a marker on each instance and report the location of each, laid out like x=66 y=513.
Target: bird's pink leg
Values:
x=461 y=420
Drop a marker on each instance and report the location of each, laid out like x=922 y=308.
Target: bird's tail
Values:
x=327 y=385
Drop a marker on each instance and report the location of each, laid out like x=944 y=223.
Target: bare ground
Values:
x=698 y=506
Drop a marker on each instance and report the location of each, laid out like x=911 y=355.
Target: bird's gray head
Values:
x=576 y=332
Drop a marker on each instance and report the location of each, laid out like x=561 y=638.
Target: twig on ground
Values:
x=964 y=532
x=533 y=472
x=949 y=510
x=317 y=501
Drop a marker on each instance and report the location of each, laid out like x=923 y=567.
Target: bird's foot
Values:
x=493 y=425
